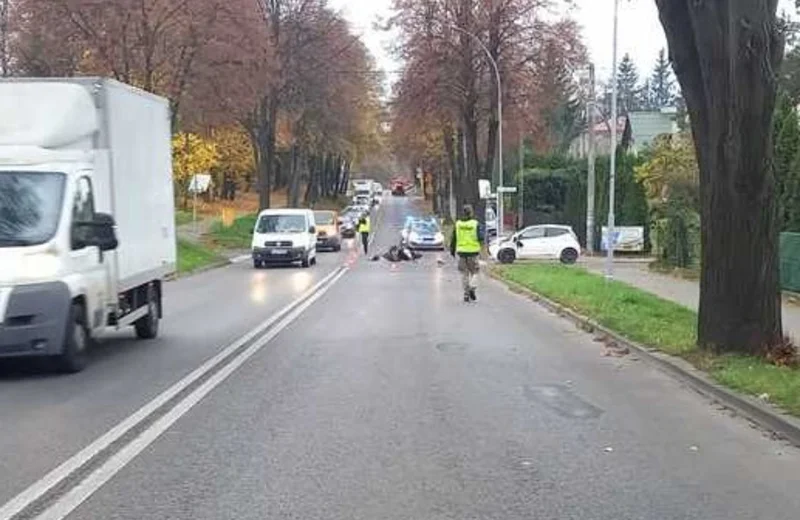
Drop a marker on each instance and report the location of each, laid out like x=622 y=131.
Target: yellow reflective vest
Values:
x=363 y=227
x=467 y=237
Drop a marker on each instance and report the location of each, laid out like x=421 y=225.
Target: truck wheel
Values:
x=76 y=342
x=305 y=262
x=147 y=326
x=258 y=264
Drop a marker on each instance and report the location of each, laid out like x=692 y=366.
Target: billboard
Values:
x=626 y=239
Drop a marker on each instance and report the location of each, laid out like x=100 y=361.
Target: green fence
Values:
x=790 y=261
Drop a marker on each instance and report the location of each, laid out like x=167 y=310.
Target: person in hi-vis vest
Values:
x=467 y=242
x=364 y=230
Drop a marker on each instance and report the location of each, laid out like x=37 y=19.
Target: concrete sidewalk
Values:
x=685 y=292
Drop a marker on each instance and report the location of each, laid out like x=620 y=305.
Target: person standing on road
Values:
x=364 y=230
x=466 y=242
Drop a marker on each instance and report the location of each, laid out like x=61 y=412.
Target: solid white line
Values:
x=46 y=483
x=76 y=496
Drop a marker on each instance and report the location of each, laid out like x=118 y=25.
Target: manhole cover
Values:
x=451 y=346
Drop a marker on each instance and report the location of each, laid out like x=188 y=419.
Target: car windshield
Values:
x=425 y=228
x=282 y=224
x=324 y=218
x=30 y=205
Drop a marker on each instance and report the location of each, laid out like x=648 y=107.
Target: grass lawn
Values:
x=237 y=236
x=192 y=256
x=655 y=322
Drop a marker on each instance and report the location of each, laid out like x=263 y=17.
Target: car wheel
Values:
x=258 y=264
x=305 y=261
x=569 y=256
x=506 y=256
x=76 y=342
x=147 y=326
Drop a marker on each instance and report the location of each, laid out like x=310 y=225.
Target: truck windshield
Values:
x=282 y=224
x=30 y=205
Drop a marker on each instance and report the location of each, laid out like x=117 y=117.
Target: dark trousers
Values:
x=365 y=242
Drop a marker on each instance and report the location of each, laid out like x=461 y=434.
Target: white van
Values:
x=285 y=236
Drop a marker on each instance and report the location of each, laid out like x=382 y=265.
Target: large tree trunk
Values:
x=294 y=178
x=726 y=54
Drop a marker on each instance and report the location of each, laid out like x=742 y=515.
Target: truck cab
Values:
x=54 y=281
x=75 y=212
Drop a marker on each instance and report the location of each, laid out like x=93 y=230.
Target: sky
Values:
x=640 y=32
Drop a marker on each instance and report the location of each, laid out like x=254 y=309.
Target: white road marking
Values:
x=59 y=474
x=241 y=259
x=77 y=495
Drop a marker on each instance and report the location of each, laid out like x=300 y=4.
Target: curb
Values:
x=204 y=269
x=767 y=417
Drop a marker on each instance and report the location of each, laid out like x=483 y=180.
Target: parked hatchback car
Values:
x=548 y=241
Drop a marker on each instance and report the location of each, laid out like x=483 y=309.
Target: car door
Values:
x=88 y=261
x=531 y=243
x=554 y=241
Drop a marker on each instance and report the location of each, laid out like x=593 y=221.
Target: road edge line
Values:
x=67 y=503
x=774 y=421
x=42 y=486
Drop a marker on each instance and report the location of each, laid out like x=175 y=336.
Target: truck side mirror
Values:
x=312 y=229
x=100 y=232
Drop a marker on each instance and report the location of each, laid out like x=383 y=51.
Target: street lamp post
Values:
x=499 y=128
x=612 y=177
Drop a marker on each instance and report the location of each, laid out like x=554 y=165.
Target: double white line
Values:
x=54 y=497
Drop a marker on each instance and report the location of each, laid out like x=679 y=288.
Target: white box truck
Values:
x=87 y=229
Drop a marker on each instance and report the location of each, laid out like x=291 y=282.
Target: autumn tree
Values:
x=448 y=80
x=5 y=13
x=726 y=55
x=152 y=44
x=191 y=155
x=670 y=178
x=293 y=75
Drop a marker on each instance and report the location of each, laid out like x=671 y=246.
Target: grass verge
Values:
x=182 y=217
x=649 y=320
x=237 y=236
x=193 y=256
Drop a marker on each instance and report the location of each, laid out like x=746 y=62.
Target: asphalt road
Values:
x=386 y=398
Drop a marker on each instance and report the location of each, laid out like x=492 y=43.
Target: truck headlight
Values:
x=439 y=237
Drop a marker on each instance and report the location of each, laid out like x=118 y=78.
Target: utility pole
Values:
x=4 y=61
x=521 y=205
x=590 y=184
x=612 y=177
